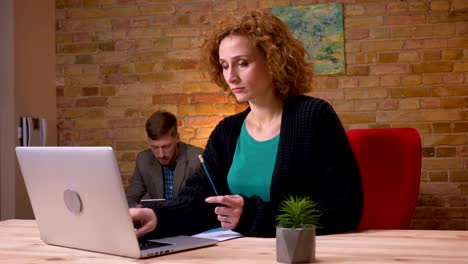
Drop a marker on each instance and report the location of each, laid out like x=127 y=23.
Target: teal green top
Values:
x=252 y=167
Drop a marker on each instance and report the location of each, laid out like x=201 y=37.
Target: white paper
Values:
x=220 y=234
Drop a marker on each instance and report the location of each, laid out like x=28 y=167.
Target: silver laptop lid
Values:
x=78 y=198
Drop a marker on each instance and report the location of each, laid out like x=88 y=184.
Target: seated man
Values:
x=161 y=171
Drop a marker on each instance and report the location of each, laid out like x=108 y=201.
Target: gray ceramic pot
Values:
x=295 y=245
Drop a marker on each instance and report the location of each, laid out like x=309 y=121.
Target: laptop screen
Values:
x=79 y=201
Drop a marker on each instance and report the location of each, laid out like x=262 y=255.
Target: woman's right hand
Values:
x=230 y=213
x=145 y=219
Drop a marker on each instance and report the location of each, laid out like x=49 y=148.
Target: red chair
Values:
x=389 y=161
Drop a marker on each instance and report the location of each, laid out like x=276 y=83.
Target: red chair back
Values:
x=389 y=161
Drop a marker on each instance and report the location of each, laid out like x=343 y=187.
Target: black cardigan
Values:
x=314 y=159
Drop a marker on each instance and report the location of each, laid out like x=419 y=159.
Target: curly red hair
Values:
x=284 y=53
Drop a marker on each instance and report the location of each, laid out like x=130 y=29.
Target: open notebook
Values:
x=79 y=201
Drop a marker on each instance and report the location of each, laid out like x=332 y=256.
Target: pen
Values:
x=208 y=174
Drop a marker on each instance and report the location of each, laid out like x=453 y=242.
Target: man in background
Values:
x=161 y=171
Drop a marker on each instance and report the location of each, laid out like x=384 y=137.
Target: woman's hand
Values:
x=145 y=219
x=229 y=215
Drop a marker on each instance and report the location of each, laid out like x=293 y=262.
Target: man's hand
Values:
x=229 y=215
x=145 y=219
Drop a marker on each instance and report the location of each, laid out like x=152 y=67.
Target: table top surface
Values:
x=20 y=243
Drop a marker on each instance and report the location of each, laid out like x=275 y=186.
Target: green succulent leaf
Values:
x=298 y=212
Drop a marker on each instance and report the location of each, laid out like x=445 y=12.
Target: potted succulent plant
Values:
x=295 y=232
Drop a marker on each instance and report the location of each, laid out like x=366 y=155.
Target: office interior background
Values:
x=96 y=69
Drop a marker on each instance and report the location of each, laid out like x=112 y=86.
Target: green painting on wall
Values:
x=320 y=28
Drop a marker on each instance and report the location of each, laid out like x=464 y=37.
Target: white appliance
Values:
x=32 y=131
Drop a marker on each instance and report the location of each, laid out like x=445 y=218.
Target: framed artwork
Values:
x=320 y=28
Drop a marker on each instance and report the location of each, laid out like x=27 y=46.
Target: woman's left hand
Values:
x=229 y=215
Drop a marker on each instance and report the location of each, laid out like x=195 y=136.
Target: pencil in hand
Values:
x=208 y=174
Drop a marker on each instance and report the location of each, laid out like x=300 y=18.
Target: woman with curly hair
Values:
x=283 y=143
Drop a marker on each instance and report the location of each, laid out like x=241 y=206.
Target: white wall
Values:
x=7 y=136
x=29 y=76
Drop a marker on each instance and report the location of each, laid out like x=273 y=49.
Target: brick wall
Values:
x=407 y=66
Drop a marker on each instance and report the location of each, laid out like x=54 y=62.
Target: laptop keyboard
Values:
x=146 y=244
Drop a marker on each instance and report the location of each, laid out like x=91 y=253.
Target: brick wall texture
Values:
x=406 y=66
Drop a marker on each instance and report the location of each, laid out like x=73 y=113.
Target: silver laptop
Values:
x=79 y=202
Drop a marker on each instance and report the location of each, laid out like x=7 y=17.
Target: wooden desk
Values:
x=20 y=243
